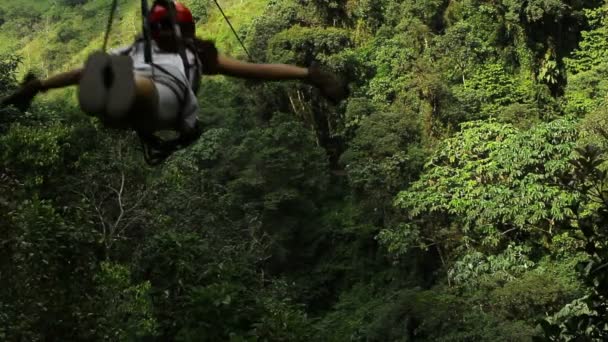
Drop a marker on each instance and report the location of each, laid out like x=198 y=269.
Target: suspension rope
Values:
x=109 y=26
x=233 y=30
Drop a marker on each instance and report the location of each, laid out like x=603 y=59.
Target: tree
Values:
x=584 y=318
x=489 y=184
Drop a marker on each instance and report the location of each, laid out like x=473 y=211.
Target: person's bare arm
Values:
x=61 y=80
x=31 y=86
x=329 y=85
x=267 y=72
x=214 y=63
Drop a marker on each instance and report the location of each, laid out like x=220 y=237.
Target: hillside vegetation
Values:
x=459 y=194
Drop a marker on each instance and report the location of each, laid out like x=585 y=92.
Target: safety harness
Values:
x=155 y=149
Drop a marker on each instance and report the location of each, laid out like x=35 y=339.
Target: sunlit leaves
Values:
x=470 y=270
x=34 y=151
x=301 y=45
x=584 y=319
x=8 y=66
x=593 y=48
x=383 y=156
x=126 y=312
x=492 y=178
x=492 y=89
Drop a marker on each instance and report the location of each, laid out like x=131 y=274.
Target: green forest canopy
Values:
x=459 y=194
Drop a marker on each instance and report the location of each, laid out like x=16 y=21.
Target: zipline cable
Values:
x=233 y=30
x=109 y=26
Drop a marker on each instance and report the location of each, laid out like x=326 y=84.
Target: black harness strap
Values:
x=165 y=75
x=157 y=150
x=177 y=34
x=145 y=12
x=195 y=82
x=181 y=47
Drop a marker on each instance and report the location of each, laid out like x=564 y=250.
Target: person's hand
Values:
x=22 y=98
x=331 y=87
x=208 y=54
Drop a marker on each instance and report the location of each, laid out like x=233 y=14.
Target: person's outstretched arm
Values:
x=330 y=86
x=266 y=72
x=31 y=86
x=214 y=63
x=61 y=80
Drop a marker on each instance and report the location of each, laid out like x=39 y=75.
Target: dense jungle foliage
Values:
x=459 y=194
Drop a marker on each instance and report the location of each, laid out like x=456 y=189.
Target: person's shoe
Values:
x=121 y=91
x=331 y=87
x=22 y=99
x=93 y=86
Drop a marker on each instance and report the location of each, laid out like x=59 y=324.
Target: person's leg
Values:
x=143 y=114
x=93 y=85
x=143 y=107
x=107 y=89
x=146 y=98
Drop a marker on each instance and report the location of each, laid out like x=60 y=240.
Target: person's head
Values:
x=160 y=23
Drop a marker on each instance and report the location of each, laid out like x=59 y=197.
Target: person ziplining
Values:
x=151 y=85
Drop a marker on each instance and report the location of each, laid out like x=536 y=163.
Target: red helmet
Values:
x=160 y=12
x=159 y=17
